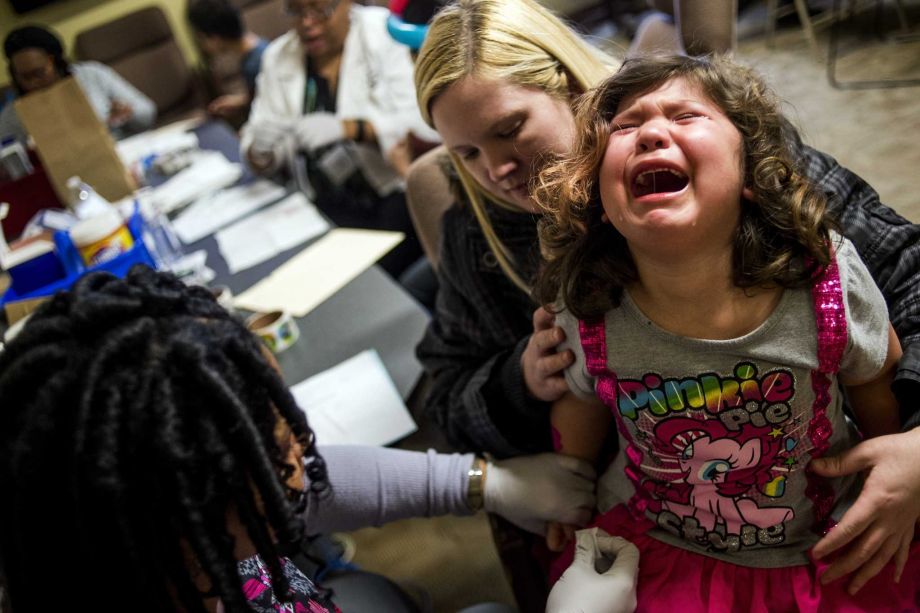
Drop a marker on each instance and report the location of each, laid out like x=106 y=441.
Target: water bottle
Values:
x=159 y=235
x=84 y=200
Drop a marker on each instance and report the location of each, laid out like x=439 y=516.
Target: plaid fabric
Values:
x=472 y=348
x=890 y=247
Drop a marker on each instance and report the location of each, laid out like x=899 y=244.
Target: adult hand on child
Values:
x=541 y=364
x=316 y=130
x=530 y=491
x=880 y=524
x=583 y=588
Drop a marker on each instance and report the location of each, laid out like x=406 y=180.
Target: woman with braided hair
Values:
x=152 y=459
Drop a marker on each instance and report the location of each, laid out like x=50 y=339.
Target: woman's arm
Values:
x=137 y=111
x=371 y=486
x=472 y=352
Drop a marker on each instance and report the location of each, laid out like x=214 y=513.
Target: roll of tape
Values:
x=277 y=329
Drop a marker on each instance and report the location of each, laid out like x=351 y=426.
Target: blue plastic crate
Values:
x=74 y=267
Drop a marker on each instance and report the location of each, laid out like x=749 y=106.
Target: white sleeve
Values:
x=393 y=110
x=269 y=112
x=144 y=111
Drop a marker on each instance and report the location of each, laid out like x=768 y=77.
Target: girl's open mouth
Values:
x=658 y=181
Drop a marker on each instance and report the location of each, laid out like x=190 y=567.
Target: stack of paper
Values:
x=162 y=141
x=263 y=235
x=319 y=271
x=354 y=403
x=209 y=171
x=212 y=213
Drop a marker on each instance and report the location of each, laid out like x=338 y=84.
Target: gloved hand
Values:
x=316 y=130
x=582 y=589
x=531 y=490
x=269 y=139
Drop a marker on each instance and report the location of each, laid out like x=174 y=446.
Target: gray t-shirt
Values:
x=721 y=425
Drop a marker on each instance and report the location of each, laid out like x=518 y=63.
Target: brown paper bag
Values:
x=72 y=141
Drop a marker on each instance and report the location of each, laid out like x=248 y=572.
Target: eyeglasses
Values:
x=317 y=12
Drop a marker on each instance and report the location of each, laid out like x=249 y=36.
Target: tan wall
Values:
x=73 y=16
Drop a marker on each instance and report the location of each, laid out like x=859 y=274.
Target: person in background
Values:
x=152 y=459
x=407 y=24
x=220 y=33
x=501 y=97
x=35 y=58
x=334 y=95
x=685 y=26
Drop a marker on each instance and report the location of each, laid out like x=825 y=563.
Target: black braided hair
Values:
x=135 y=413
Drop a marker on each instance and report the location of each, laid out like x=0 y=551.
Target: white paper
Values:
x=267 y=233
x=157 y=142
x=209 y=172
x=319 y=271
x=213 y=212
x=355 y=403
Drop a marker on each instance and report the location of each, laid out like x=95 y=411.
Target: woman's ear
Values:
x=747 y=193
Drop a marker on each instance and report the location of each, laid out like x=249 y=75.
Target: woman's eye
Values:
x=512 y=130
x=469 y=155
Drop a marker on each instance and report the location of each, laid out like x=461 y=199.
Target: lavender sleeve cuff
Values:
x=372 y=486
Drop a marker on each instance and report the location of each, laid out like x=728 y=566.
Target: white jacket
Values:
x=375 y=84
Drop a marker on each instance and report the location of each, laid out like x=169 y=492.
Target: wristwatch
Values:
x=476 y=486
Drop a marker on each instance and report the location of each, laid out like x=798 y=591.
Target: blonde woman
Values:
x=497 y=79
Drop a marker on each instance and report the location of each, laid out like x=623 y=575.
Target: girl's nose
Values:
x=652 y=135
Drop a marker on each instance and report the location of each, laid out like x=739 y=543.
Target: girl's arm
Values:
x=874 y=404
x=579 y=429
x=580 y=426
x=472 y=352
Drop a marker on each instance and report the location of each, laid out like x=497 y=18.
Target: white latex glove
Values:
x=270 y=138
x=531 y=490
x=317 y=130
x=582 y=589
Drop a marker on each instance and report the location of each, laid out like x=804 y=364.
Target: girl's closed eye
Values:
x=688 y=116
x=621 y=127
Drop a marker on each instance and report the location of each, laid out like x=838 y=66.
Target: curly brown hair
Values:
x=783 y=235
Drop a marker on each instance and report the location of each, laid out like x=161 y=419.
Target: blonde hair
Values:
x=517 y=41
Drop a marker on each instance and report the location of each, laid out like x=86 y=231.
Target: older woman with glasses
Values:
x=334 y=94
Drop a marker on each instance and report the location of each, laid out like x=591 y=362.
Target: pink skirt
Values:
x=675 y=579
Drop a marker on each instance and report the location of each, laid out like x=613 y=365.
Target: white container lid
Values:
x=25 y=253
x=96 y=228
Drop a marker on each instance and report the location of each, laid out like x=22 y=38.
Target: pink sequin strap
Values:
x=830 y=317
x=593 y=334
